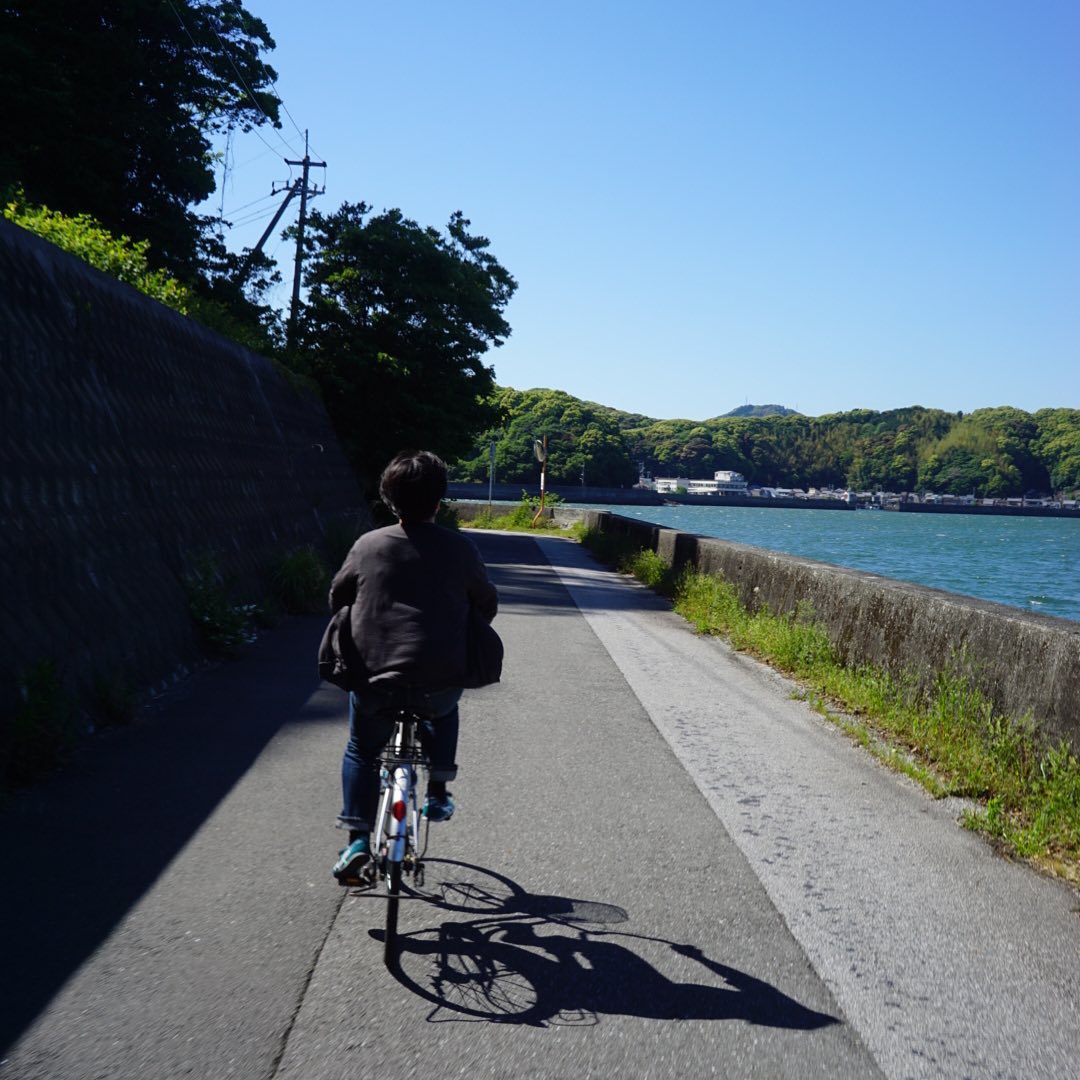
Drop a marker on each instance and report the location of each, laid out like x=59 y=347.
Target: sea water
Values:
x=1027 y=562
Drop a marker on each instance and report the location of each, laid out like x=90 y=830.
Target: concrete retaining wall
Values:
x=131 y=440
x=1022 y=662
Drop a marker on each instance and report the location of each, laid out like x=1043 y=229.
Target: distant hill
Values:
x=998 y=451
x=763 y=410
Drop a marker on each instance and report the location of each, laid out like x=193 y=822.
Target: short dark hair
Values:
x=413 y=484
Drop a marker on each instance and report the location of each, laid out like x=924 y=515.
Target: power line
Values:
x=280 y=101
x=295 y=186
x=258 y=157
x=253 y=218
x=251 y=93
x=240 y=78
x=261 y=198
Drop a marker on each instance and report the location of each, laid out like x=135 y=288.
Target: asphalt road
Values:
x=661 y=864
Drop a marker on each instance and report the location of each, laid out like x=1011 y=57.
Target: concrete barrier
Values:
x=1024 y=663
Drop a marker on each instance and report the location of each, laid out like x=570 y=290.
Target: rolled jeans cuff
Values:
x=354 y=824
x=443 y=775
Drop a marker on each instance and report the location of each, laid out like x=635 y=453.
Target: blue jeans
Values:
x=371 y=723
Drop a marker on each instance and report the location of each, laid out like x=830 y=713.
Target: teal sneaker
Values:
x=439 y=807
x=352 y=860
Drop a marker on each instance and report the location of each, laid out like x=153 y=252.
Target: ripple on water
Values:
x=1031 y=563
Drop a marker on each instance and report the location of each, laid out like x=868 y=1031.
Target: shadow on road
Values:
x=528 y=587
x=555 y=961
x=82 y=848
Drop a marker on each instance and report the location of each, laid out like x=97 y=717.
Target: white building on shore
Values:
x=670 y=485
x=724 y=482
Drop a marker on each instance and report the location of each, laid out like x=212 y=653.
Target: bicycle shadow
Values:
x=554 y=961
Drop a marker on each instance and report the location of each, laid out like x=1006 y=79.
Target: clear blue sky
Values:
x=825 y=204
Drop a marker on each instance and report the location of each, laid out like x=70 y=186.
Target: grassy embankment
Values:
x=517 y=519
x=947 y=737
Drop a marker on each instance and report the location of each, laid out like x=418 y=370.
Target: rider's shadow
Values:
x=535 y=963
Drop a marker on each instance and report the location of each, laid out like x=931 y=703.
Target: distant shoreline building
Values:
x=724 y=482
x=728 y=482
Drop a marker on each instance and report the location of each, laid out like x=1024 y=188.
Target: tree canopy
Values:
x=397 y=322
x=110 y=106
x=583 y=439
x=991 y=452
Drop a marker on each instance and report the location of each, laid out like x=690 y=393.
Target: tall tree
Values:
x=109 y=108
x=583 y=440
x=1058 y=446
x=397 y=322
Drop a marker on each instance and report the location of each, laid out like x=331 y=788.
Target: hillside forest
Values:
x=399 y=317
x=996 y=452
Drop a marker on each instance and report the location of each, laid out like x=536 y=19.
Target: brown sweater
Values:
x=410 y=588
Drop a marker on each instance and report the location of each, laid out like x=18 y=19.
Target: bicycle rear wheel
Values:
x=393 y=898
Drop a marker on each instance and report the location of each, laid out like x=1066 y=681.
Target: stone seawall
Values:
x=1024 y=663
x=131 y=441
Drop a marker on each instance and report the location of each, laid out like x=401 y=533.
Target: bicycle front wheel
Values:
x=393 y=899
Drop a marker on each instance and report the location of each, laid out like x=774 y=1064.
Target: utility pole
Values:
x=297 y=187
x=540 y=449
x=294 y=308
x=246 y=268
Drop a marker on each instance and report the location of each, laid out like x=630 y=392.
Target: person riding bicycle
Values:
x=410 y=587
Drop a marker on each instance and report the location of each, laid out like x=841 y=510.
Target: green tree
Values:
x=956 y=471
x=582 y=437
x=109 y=108
x=990 y=451
x=1057 y=445
x=395 y=329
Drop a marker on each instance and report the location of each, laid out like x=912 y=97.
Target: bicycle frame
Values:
x=397 y=824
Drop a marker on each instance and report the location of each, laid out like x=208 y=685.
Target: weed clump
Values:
x=113 y=700
x=300 y=581
x=223 y=627
x=520 y=518
x=44 y=727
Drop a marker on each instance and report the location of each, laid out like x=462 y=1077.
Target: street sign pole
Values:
x=541 y=451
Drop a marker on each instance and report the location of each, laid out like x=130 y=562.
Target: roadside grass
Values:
x=519 y=519
x=222 y=626
x=946 y=735
x=299 y=580
x=43 y=730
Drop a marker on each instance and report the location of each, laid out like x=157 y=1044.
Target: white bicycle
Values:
x=398 y=842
